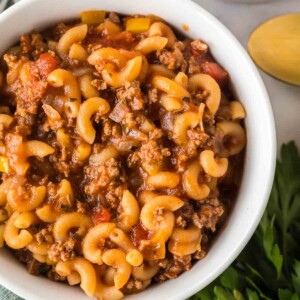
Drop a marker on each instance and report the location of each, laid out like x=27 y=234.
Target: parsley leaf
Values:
x=287 y=295
x=272 y=250
x=230 y=279
x=296 y=277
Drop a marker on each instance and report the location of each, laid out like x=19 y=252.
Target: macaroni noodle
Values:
x=72 y=36
x=208 y=84
x=129 y=211
x=86 y=271
x=194 y=189
x=15 y=238
x=62 y=78
x=117 y=259
x=95 y=237
x=68 y=221
x=161 y=29
x=86 y=110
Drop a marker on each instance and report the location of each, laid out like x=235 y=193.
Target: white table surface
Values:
x=241 y=19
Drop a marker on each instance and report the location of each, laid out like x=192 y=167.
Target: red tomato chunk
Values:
x=46 y=63
x=100 y=215
x=215 y=71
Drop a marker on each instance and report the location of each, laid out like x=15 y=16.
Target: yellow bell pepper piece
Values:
x=138 y=25
x=92 y=16
x=4 y=165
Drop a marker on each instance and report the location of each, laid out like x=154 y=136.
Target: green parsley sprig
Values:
x=269 y=266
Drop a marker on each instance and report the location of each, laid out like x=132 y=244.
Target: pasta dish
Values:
x=121 y=152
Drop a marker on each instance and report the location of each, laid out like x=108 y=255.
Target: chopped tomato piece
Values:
x=100 y=215
x=139 y=233
x=124 y=37
x=215 y=71
x=46 y=63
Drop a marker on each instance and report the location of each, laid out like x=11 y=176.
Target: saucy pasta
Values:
x=121 y=152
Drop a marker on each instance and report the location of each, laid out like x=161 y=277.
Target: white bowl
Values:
x=260 y=153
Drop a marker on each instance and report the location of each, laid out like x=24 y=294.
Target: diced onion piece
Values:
x=92 y=16
x=125 y=144
x=138 y=25
x=119 y=112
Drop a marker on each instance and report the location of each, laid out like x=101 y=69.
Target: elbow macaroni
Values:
x=185 y=241
x=237 y=110
x=13 y=236
x=212 y=166
x=47 y=214
x=161 y=70
x=72 y=36
x=65 y=79
x=162 y=180
x=149 y=210
x=95 y=237
x=5 y=120
x=36 y=197
x=236 y=133
x=67 y=221
x=182 y=123
x=145 y=271
x=169 y=86
x=86 y=88
x=170 y=103
x=133 y=257
x=77 y=52
x=194 y=189
x=150 y=44
x=161 y=29
x=86 y=110
x=105 y=292
x=130 y=72
x=86 y=271
x=2 y=228
x=129 y=211
x=207 y=83
x=25 y=219
x=37 y=148
x=129 y=69
x=117 y=259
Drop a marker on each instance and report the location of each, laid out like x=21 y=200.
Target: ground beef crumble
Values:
x=132 y=95
x=172 y=59
x=209 y=215
x=45 y=235
x=33 y=45
x=63 y=251
x=107 y=179
x=153 y=95
x=199 y=46
x=151 y=153
x=134 y=284
x=172 y=267
x=184 y=215
x=102 y=175
x=197 y=140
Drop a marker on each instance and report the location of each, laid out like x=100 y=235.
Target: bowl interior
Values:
x=260 y=153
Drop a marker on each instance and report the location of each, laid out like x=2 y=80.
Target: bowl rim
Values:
x=270 y=170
